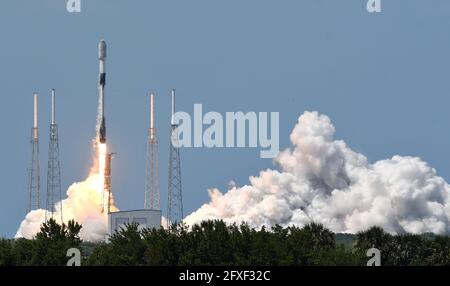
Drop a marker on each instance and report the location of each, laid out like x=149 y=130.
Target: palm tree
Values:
x=375 y=237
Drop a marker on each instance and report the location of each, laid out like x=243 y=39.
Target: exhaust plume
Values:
x=322 y=180
x=84 y=204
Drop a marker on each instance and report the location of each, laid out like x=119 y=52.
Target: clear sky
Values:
x=382 y=78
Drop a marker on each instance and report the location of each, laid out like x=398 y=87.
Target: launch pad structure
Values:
x=54 y=194
x=34 y=179
x=175 y=198
x=152 y=192
x=150 y=216
x=107 y=184
x=144 y=218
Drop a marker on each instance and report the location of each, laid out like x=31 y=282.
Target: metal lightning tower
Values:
x=53 y=169
x=175 y=200
x=34 y=183
x=152 y=195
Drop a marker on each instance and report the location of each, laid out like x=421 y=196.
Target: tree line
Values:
x=216 y=243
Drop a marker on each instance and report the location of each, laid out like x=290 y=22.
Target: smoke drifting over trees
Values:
x=322 y=180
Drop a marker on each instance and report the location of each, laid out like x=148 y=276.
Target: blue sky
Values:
x=383 y=79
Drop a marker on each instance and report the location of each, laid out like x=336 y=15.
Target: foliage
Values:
x=48 y=248
x=6 y=253
x=215 y=243
x=126 y=247
x=53 y=241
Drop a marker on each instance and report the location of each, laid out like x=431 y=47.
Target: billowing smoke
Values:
x=84 y=203
x=322 y=180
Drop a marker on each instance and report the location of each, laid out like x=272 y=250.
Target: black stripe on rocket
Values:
x=103 y=79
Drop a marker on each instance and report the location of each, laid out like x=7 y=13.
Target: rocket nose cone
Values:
x=102 y=49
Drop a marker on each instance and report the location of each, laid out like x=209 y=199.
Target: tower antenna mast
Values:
x=53 y=170
x=152 y=193
x=34 y=184
x=175 y=200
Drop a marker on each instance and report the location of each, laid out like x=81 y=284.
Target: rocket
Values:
x=101 y=89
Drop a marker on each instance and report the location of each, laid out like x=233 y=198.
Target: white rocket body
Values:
x=101 y=89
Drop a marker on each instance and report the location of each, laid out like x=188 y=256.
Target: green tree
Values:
x=375 y=237
x=215 y=243
x=310 y=243
x=241 y=243
x=340 y=256
x=161 y=247
x=127 y=246
x=6 y=253
x=208 y=243
x=103 y=255
x=266 y=247
x=440 y=248
x=23 y=251
x=321 y=238
x=410 y=249
x=53 y=241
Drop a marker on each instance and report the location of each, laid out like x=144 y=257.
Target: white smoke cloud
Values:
x=322 y=180
x=83 y=204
